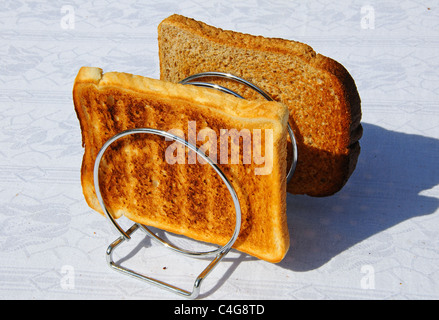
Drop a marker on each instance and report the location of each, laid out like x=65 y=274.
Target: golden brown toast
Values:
x=137 y=179
x=319 y=92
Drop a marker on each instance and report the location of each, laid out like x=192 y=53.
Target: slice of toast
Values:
x=142 y=180
x=320 y=94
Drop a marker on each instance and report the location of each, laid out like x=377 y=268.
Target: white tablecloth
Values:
x=378 y=238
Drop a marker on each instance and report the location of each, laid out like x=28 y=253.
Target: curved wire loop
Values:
x=218 y=253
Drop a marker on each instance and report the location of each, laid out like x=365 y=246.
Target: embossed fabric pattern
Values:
x=378 y=238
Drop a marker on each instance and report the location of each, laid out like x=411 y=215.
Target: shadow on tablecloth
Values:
x=385 y=190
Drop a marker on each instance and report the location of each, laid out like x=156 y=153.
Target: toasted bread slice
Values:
x=137 y=179
x=321 y=96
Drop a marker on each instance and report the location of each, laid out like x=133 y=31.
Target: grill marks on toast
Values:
x=136 y=180
x=176 y=195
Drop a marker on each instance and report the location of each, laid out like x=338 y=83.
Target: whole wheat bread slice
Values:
x=137 y=180
x=321 y=95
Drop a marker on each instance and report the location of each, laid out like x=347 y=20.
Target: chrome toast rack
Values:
x=216 y=254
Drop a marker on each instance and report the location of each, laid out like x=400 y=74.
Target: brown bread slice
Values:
x=137 y=181
x=321 y=95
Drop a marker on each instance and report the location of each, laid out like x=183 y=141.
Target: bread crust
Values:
x=186 y=199
x=320 y=171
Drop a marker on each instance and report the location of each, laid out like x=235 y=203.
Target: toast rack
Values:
x=220 y=252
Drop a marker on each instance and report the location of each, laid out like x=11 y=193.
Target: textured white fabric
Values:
x=378 y=238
